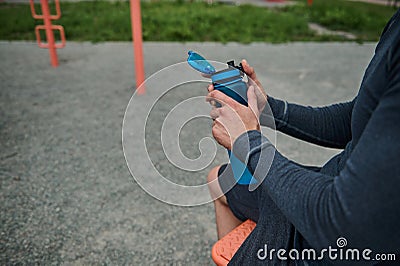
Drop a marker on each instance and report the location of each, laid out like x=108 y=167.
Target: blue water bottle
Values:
x=229 y=81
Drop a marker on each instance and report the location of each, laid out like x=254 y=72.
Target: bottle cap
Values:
x=199 y=63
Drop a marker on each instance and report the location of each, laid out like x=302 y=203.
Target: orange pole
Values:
x=49 y=32
x=136 y=20
x=309 y=2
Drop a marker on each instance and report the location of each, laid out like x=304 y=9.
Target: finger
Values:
x=252 y=100
x=218 y=125
x=260 y=92
x=222 y=98
x=248 y=69
x=251 y=73
x=252 y=82
x=214 y=114
x=211 y=101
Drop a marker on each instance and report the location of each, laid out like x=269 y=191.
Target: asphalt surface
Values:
x=66 y=193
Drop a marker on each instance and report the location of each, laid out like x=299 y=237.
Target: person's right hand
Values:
x=253 y=80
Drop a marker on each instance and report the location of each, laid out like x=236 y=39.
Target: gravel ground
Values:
x=67 y=195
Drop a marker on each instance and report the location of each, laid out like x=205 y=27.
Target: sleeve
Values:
x=360 y=204
x=328 y=126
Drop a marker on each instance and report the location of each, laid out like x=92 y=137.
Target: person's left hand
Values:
x=233 y=119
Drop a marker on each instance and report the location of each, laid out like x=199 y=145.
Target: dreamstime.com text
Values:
x=330 y=253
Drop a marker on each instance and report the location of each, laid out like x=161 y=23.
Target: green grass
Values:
x=366 y=21
x=197 y=21
x=202 y=22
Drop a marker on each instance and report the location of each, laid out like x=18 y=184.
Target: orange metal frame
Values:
x=49 y=28
x=136 y=21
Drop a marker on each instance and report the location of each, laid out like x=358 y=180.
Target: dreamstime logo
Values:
x=166 y=136
x=330 y=253
x=341 y=242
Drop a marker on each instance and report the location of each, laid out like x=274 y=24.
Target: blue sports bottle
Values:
x=229 y=81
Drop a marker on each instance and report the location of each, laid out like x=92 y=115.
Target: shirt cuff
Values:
x=249 y=143
x=275 y=115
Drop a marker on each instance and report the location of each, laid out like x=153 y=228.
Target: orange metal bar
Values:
x=53 y=17
x=62 y=36
x=309 y=2
x=49 y=32
x=136 y=20
x=34 y=15
x=48 y=27
x=53 y=27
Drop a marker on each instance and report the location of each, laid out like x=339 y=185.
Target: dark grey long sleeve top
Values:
x=357 y=193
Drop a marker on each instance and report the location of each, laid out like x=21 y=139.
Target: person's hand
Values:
x=259 y=90
x=232 y=119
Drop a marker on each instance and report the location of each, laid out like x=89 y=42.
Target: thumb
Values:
x=252 y=100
